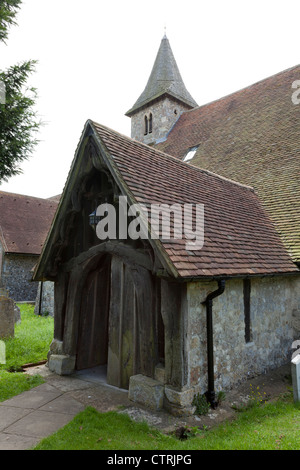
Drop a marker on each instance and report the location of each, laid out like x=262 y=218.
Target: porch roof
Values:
x=239 y=238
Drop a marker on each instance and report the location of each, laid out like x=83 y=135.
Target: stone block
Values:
x=146 y=391
x=179 y=402
x=7 y=317
x=159 y=373
x=61 y=364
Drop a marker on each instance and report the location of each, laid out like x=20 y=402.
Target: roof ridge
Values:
x=26 y=196
x=171 y=157
x=196 y=108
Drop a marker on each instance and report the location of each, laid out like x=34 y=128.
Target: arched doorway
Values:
x=120 y=320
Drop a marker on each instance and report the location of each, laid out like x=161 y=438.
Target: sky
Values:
x=95 y=57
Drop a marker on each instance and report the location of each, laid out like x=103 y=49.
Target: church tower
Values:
x=162 y=101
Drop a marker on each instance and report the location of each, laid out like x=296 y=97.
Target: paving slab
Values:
x=64 y=404
x=29 y=417
x=9 y=415
x=39 y=424
x=32 y=399
x=16 y=442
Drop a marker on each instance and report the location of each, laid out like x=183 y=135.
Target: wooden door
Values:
x=132 y=345
x=92 y=346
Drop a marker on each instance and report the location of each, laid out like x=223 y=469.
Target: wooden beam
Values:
x=132 y=255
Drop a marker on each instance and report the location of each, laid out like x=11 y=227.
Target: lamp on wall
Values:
x=94 y=219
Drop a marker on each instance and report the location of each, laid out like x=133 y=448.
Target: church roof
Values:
x=164 y=79
x=251 y=136
x=24 y=222
x=239 y=238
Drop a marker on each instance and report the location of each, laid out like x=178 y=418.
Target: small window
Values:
x=190 y=154
x=247 y=310
x=150 y=123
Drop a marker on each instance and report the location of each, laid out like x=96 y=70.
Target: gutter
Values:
x=210 y=394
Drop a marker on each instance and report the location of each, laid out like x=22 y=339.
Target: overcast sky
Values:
x=95 y=57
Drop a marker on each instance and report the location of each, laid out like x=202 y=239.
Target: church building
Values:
x=167 y=317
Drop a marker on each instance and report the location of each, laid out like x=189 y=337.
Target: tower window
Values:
x=146 y=126
x=150 y=123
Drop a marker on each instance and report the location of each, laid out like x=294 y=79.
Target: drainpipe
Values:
x=210 y=394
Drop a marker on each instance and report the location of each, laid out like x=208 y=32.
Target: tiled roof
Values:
x=165 y=78
x=252 y=136
x=24 y=222
x=239 y=237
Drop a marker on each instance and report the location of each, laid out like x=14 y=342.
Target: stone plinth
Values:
x=61 y=364
x=146 y=391
x=178 y=402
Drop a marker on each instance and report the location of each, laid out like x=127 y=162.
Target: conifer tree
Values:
x=18 y=119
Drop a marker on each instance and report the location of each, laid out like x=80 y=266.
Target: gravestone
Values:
x=17 y=314
x=296 y=377
x=2 y=352
x=7 y=315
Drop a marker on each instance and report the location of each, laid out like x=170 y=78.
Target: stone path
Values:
x=33 y=415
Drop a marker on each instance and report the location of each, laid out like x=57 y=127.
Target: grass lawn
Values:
x=12 y=384
x=273 y=426
x=30 y=344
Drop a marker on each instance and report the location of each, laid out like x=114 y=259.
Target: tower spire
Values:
x=165 y=97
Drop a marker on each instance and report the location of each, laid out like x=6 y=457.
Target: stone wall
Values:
x=274 y=321
x=275 y=312
x=16 y=276
x=165 y=113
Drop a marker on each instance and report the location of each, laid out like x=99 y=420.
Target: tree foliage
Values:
x=8 y=11
x=18 y=119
